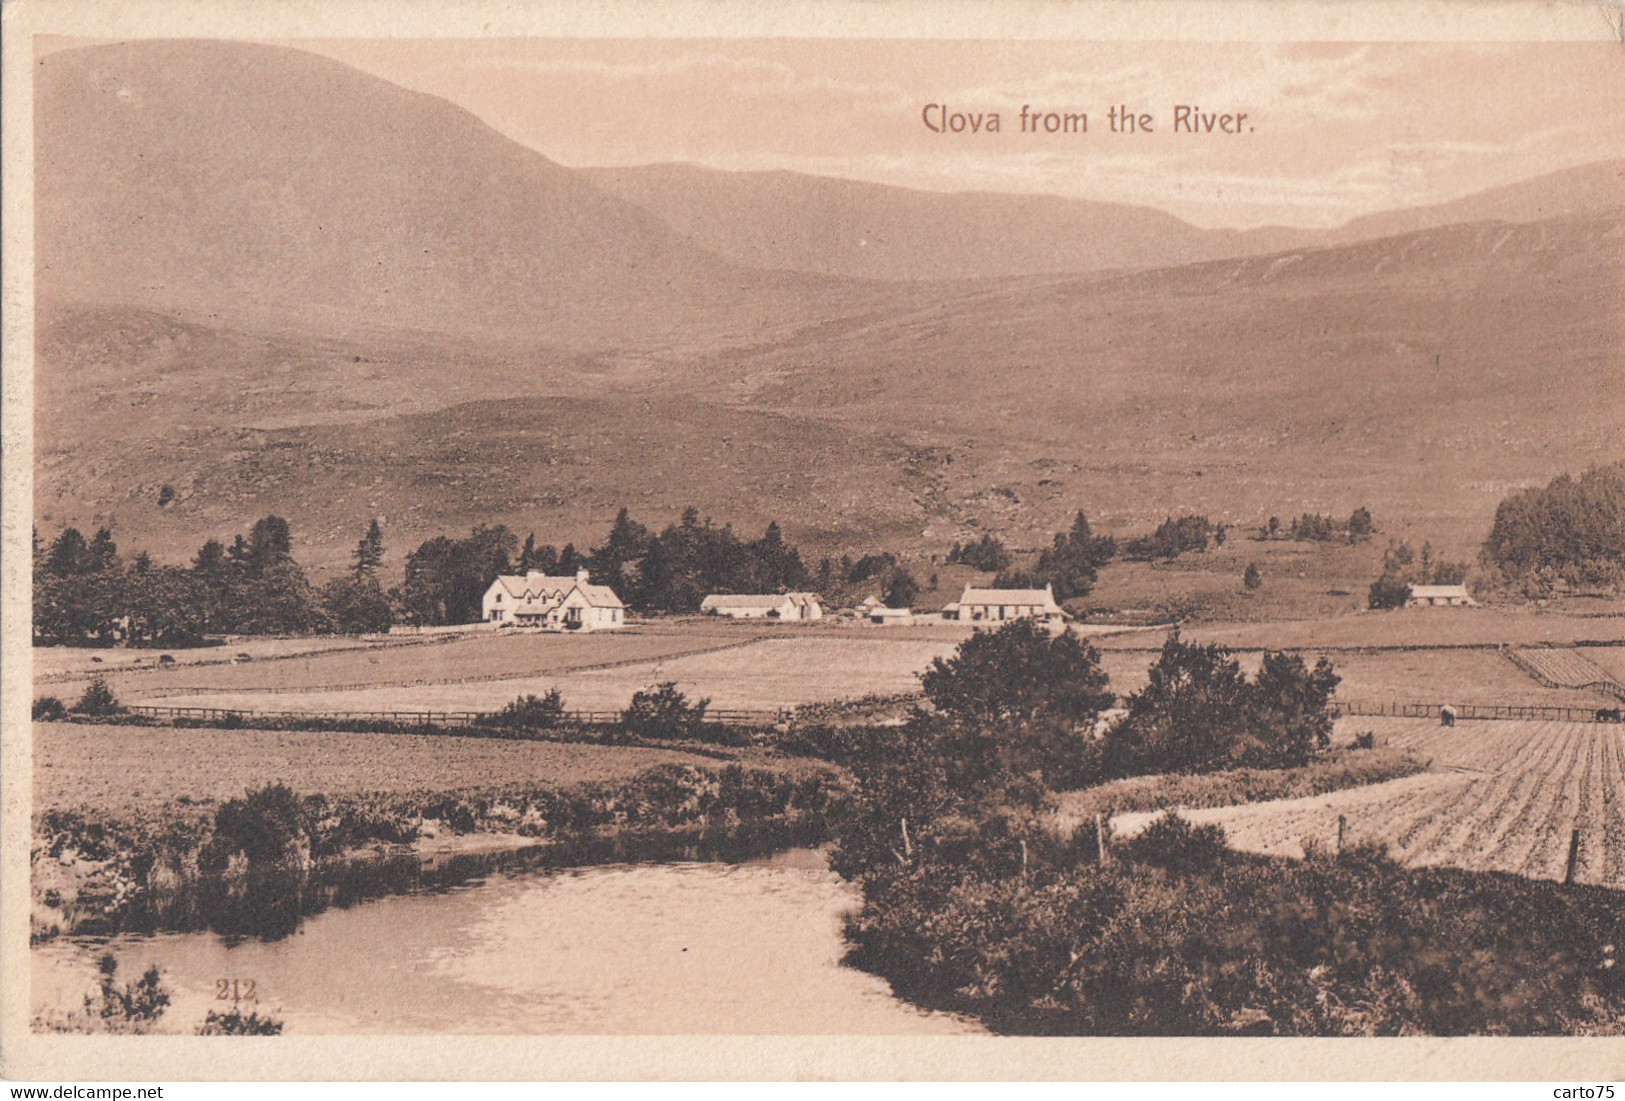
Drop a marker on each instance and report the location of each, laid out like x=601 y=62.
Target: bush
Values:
x=1388 y=591
x=233 y=1023
x=130 y=1008
x=530 y=712
x=49 y=709
x=98 y=699
x=1171 y=842
x=663 y=712
x=1368 y=740
x=264 y=826
x=1252 y=579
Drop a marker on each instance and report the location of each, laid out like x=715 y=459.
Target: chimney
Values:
x=581 y=576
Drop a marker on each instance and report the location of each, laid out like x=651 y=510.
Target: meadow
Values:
x=1499 y=796
x=119 y=769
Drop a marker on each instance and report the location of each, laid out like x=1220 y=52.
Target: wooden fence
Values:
x=1477 y=711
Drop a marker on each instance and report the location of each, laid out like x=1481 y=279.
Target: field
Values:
x=764 y=674
x=1484 y=626
x=1501 y=796
x=119 y=768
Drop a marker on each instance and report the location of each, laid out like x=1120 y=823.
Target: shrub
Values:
x=130 y=1008
x=664 y=712
x=264 y=825
x=49 y=709
x=1172 y=842
x=1252 y=579
x=98 y=699
x=1368 y=740
x=233 y=1023
x=1388 y=591
x=530 y=712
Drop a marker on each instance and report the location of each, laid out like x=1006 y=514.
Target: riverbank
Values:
x=336 y=817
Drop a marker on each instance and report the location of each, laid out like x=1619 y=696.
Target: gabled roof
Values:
x=534 y=587
x=747 y=600
x=1044 y=598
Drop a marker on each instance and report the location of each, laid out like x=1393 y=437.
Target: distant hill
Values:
x=1422 y=375
x=269 y=186
x=798 y=222
x=273 y=283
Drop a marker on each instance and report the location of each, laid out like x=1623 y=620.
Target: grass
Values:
x=1346 y=768
x=766 y=674
x=489 y=655
x=120 y=768
x=1441 y=627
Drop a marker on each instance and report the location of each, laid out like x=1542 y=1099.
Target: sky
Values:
x=1332 y=131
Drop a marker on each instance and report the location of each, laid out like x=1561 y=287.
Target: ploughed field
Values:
x=1500 y=796
x=118 y=769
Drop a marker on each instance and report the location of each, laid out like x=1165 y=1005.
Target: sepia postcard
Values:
x=844 y=541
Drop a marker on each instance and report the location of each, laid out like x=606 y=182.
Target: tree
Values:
x=69 y=555
x=357 y=605
x=900 y=589
x=1189 y=717
x=1360 y=525
x=1072 y=562
x=1019 y=672
x=369 y=553
x=446 y=579
x=1289 y=716
x=1252 y=579
x=270 y=541
x=1388 y=591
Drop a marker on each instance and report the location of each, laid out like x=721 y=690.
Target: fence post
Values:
x=1574 y=858
x=1342 y=824
x=1100 y=837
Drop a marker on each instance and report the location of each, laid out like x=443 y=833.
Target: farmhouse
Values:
x=784 y=606
x=1454 y=596
x=983 y=605
x=557 y=603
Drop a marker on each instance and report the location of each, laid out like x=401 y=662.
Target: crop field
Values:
x=1501 y=796
x=123 y=768
x=762 y=674
x=1564 y=666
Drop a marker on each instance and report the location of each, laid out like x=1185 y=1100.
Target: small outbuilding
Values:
x=1439 y=596
x=789 y=607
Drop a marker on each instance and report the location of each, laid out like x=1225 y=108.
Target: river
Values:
x=691 y=947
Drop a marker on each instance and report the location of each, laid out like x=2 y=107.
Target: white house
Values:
x=1426 y=596
x=558 y=603
x=784 y=606
x=997 y=605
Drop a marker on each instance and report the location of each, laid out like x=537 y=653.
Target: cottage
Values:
x=792 y=607
x=1452 y=596
x=555 y=603
x=995 y=605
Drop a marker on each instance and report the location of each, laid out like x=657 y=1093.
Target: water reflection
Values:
x=684 y=947
x=270 y=903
